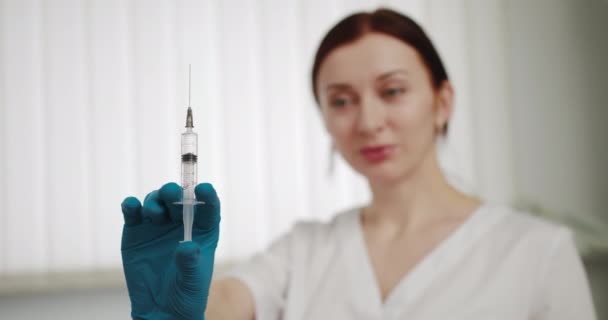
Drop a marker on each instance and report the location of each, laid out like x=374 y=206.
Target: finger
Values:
x=169 y=194
x=207 y=216
x=131 y=211
x=153 y=210
x=187 y=256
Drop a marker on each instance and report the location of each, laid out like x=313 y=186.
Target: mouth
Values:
x=377 y=153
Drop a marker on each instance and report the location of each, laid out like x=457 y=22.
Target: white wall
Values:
x=559 y=101
x=559 y=92
x=90 y=304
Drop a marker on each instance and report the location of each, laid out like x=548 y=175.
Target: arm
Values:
x=230 y=299
x=256 y=287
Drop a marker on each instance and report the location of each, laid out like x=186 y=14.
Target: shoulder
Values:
x=324 y=229
x=523 y=223
x=545 y=251
x=524 y=231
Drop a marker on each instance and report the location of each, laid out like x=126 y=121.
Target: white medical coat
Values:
x=499 y=264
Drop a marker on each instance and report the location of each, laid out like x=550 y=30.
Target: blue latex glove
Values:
x=168 y=279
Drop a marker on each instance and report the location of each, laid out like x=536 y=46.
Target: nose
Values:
x=372 y=117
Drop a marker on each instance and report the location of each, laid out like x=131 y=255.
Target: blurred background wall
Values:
x=93 y=96
x=559 y=93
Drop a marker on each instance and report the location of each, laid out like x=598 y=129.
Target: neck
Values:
x=417 y=200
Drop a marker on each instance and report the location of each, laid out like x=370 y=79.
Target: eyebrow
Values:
x=391 y=73
x=344 y=86
x=337 y=86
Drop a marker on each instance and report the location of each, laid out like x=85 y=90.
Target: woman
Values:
x=420 y=250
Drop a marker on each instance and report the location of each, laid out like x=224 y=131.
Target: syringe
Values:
x=189 y=169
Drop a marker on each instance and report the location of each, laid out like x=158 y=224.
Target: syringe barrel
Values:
x=189 y=162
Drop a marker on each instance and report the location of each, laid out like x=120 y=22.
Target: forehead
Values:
x=368 y=57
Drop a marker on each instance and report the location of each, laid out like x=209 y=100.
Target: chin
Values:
x=385 y=173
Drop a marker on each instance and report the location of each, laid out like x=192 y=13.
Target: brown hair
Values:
x=384 y=21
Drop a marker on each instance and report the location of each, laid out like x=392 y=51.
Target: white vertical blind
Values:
x=491 y=113
x=244 y=124
x=447 y=26
x=112 y=140
x=284 y=109
x=68 y=131
x=25 y=225
x=92 y=103
x=3 y=216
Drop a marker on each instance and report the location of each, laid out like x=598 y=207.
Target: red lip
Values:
x=376 y=154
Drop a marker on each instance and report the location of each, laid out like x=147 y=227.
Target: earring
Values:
x=441 y=129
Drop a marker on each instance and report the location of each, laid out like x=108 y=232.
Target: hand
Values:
x=166 y=278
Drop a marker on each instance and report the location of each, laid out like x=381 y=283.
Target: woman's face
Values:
x=380 y=107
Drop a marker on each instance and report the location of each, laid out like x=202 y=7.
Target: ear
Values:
x=444 y=105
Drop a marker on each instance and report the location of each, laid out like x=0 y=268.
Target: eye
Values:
x=392 y=92
x=340 y=102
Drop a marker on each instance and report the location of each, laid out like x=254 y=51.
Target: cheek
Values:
x=339 y=127
x=414 y=120
x=413 y=123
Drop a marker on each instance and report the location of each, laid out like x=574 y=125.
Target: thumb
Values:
x=187 y=300
x=187 y=257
